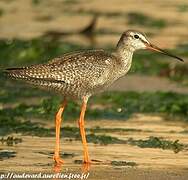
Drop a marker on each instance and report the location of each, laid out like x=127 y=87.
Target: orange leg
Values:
x=82 y=131
x=56 y=156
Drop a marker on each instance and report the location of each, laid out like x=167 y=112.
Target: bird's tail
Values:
x=15 y=73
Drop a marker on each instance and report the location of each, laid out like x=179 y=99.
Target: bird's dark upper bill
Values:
x=155 y=48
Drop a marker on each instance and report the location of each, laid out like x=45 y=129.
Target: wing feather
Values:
x=69 y=68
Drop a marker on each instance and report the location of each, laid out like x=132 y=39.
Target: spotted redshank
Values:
x=79 y=75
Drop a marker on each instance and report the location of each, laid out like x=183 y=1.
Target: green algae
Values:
x=123 y=163
x=156 y=142
x=10 y=140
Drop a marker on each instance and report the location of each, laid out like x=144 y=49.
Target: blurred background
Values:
x=146 y=111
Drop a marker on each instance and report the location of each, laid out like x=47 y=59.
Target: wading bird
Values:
x=79 y=75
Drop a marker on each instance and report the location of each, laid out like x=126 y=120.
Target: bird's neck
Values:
x=124 y=55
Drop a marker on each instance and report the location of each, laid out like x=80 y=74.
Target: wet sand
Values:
x=143 y=83
x=65 y=17
x=34 y=154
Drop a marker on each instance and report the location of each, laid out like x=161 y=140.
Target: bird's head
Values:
x=134 y=40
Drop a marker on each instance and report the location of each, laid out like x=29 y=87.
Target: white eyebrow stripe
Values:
x=143 y=38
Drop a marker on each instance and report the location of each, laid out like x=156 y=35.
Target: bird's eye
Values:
x=136 y=36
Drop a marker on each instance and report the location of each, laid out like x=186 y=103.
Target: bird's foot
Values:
x=58 y=163
x=86 y=166
x=57 y=168
x=87 y=161
x=58 y=160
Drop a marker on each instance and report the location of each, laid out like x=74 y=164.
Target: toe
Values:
x=58 y=160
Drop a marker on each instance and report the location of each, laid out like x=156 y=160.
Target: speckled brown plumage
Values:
x=73 y=75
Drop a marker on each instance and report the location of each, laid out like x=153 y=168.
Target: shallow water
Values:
x=34 y=154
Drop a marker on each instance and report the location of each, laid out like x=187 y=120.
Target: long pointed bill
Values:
x=155 y=48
